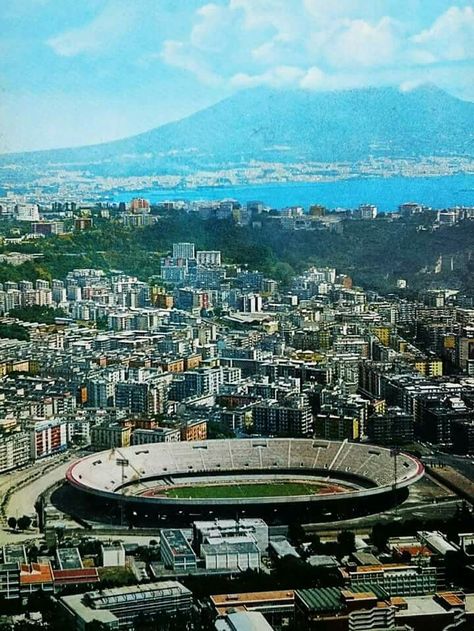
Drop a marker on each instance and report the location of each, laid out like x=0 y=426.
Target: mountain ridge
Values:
x=291 y=126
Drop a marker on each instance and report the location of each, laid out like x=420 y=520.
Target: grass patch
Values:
x=116 y=576
x=233 y=491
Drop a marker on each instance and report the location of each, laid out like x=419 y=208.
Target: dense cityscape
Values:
x=265 y=439
x=237 y=315
x=51 y=180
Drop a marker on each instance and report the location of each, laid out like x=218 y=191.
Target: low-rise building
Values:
x=194 y=429
x=241 y=554
x=176 y=553
x=68 y=559
x=243 y=621
x=118 y=608
x=230 y=528
x=14 y=450
x=294 y=418
x=270 y=603
x=157 y=435
x=112 y=554
x=9 y=581
x=109 y=436
x=35 y=577
x=47 y=437
x=396 y=579
x=336 y=427
x=395 y=427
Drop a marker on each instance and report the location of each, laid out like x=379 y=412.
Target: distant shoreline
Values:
x=385 y=192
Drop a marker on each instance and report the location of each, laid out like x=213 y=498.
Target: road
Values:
x=463 y=465
x=20 y=489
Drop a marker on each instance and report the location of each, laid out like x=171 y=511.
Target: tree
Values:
x=380 y=536
x=37 y=313
x=96 y=625
x=12 y=523
x=41 y=601
x=296 y=533
x=14 y=331
x=24 y=522
x=33 y=553
x=102 y=323
x=28 y=625
x=60 y=533
x=315 y=542
x=346 y=541
x=292 y=571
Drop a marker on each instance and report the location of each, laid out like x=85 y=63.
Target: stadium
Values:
x=273 y=478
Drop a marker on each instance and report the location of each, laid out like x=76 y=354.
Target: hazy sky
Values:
x=81 y=71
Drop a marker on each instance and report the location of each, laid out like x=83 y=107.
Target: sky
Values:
x=76 y=72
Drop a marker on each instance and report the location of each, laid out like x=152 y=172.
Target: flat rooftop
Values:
x=69 y=559
x=108 y=598
x=226 y=547
x=14 y=554
x=176 y=541
x=248 y=600
x=421 y=606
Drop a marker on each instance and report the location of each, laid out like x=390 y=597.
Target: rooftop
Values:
x=243 y=621
x=323 y=599
x=35 y=573
x=176 y=541
x=69 y=558
x=226 y=547
x=108 y=598
x=83 y=575
x=247 y=599
x=421 y=606
x=334 y=600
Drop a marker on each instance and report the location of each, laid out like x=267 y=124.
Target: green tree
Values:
x=12 y=523
x=379 y=536
x=296 y=533
x=14 y=331
x=96 y=625
x=38 y=313
x=33 y=553
x=346 y=541
x=24 y=522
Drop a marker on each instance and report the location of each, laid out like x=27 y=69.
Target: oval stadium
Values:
x=274 y=478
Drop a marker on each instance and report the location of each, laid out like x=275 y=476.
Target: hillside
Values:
x=284 y=126
x=374 y=253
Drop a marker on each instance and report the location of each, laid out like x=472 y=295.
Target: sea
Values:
x=387 y=193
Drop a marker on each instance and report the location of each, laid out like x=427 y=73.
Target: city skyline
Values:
x=81 y=73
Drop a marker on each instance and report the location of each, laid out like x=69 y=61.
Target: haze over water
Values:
x=386 y=193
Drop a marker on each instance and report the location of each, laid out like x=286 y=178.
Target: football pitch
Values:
x=257 y=489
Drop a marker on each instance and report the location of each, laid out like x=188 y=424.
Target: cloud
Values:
x=180 y=55
x=314 y=79
x=409 y=85
x=278 y=17
x=359 y=43
x=211 y=30
x=317 y=44
x=450 y=37
x=278 y=77
x=104 y=31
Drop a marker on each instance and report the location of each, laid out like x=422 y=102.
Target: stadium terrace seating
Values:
x=105 y=471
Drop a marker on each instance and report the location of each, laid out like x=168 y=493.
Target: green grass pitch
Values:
x=232 y=491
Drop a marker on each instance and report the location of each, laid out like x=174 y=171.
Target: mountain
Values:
x=283 y=126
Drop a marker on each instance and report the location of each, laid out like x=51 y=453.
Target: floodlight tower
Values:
x=394 y=452
x=123 y=463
